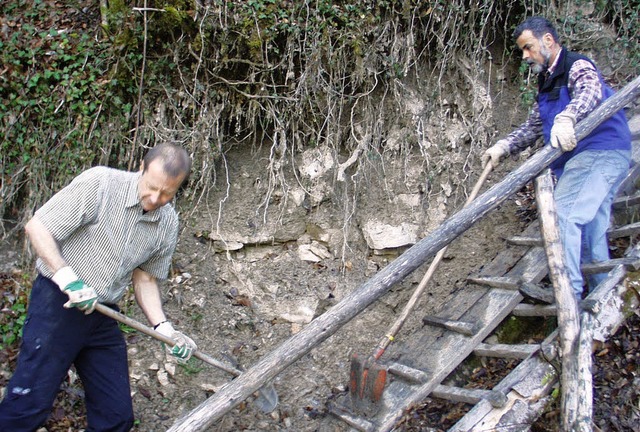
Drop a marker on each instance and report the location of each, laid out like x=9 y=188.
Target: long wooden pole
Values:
x=330 y=322
x=567 y=305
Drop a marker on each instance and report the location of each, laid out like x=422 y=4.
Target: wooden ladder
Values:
x=425 y=359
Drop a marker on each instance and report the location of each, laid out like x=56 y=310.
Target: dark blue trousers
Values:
x=53 y=339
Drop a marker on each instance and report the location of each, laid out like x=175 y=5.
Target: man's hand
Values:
x=563 y=132
x=494 y=153
x=81 y=295
x=184 y=347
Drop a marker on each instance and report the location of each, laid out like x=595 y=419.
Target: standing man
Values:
x=589 y=171
x=104 y=230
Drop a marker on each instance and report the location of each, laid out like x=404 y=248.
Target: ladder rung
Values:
x=510 y=351
x=471 y=396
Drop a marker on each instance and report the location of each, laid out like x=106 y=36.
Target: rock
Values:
x=384 y=236
x=314 y=252
x=163 y=378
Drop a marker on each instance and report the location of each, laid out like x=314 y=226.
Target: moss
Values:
x=518 y=329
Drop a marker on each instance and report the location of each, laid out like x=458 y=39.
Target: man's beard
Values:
x=538 y=68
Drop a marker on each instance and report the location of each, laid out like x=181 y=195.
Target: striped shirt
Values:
x=103 y=233
x=586 y=93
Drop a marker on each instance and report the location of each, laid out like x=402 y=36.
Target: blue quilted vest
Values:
x=553 y=96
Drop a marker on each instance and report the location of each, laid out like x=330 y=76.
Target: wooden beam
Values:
x=568 y=319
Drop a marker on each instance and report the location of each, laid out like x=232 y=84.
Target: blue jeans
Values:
x=583 y=198
x=53 y=339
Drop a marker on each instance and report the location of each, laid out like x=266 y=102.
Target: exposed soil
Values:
x=231 y=304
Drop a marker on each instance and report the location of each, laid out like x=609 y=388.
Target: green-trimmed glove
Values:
x=81 y=295
x=184 y=347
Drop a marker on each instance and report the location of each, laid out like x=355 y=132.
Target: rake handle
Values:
x=105 y=310
x=397 y=325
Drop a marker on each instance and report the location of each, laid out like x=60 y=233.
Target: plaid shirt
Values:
x=586 y=93
x=103 y=233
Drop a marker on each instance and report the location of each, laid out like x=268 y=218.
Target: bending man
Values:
x=588 y=172
x=105 y=230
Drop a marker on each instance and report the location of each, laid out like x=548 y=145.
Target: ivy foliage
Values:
x=86 y=82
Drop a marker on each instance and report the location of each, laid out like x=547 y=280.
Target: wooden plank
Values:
x=537 y=293
x=470 y=396
x=509 y=351
x=413 y=375
x=462 y=327
x=605 y=266
x=529 y=310
x=612 y=233
x=626 y=201
x=624 y=231
x=503 y=282
x=525 y=241
x=350 y=418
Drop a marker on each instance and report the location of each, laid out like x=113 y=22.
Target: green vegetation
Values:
x=13 y=311
x=82 y=86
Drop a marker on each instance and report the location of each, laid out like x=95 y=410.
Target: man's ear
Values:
x=142 y=166
x=548 y=40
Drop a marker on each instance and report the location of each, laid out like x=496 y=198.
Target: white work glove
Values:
x=184 y=347
x=81 y=295
x=563 y=133
x=494 y=153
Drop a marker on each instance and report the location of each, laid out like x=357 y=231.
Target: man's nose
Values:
x=154 y=197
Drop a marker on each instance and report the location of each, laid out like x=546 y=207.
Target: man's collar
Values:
x=552 y=68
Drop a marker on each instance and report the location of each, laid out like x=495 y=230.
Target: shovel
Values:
x=368 y=378
x=267 y=399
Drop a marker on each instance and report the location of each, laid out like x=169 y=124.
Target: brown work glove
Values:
x=495 y=153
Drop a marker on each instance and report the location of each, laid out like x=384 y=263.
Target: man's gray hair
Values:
x=175 y=159
x=537 y=25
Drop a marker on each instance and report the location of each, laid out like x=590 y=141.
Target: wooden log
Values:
x=568 y=307
x=584 y=408
x=322 y=327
